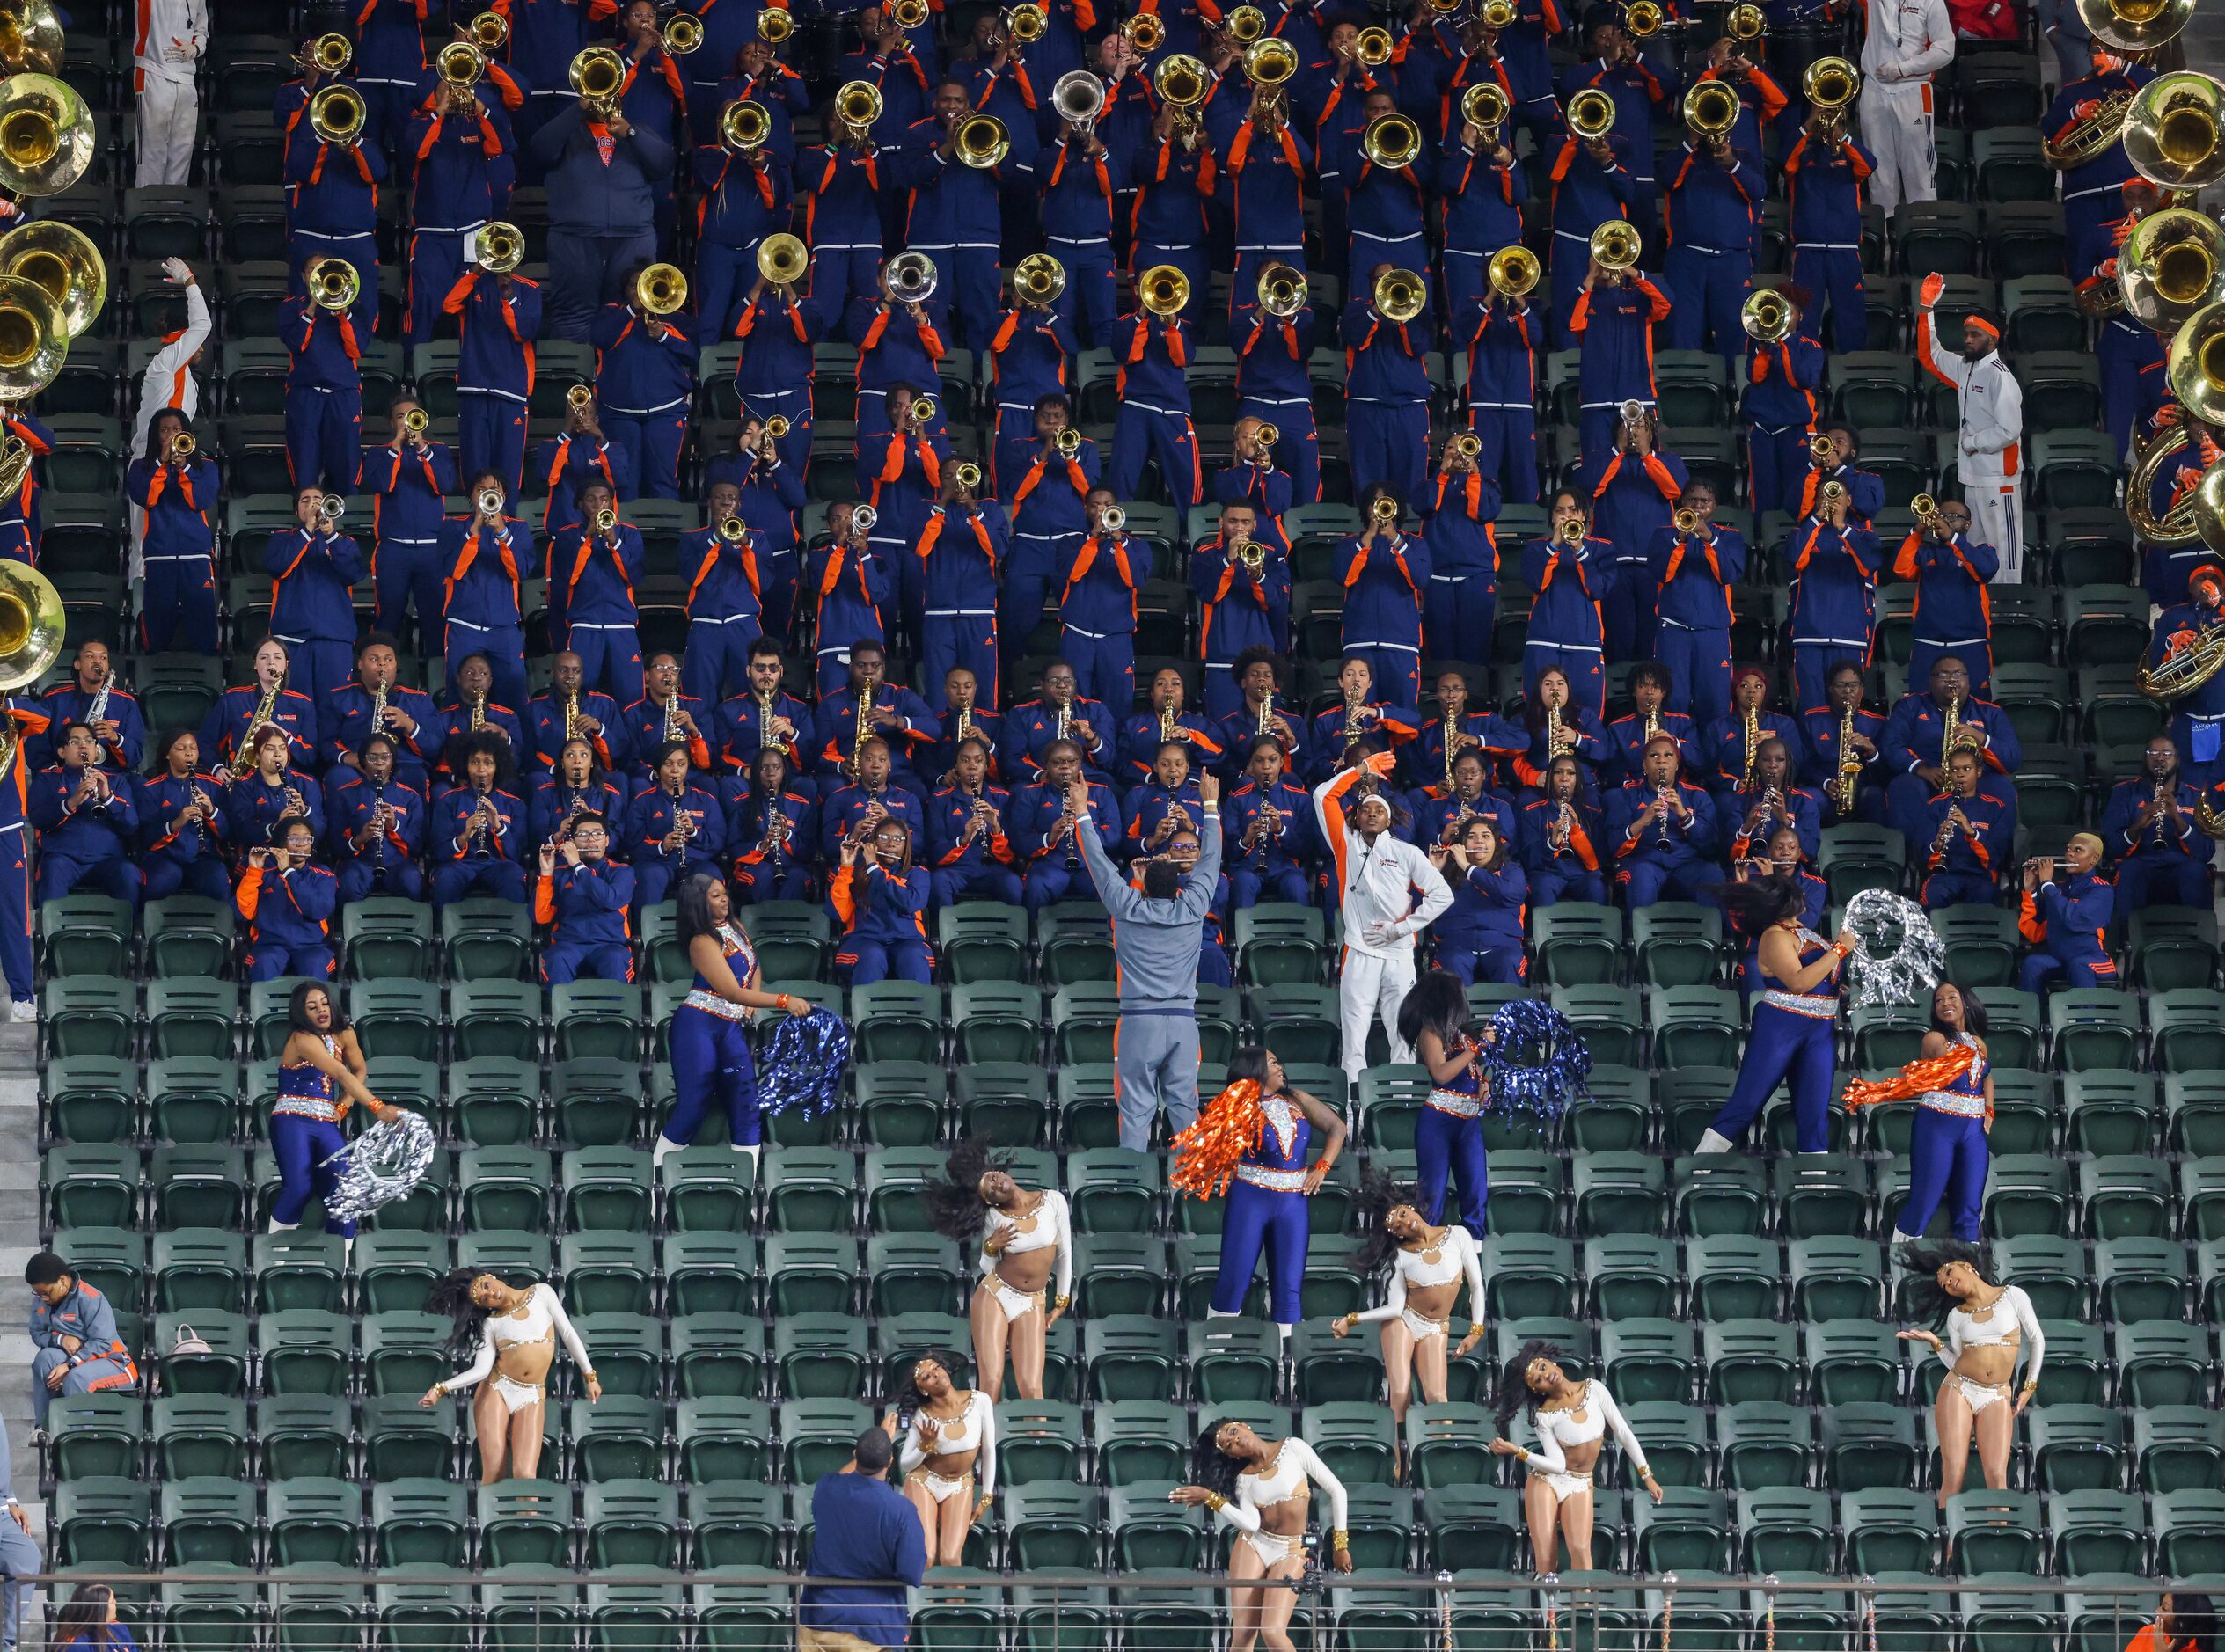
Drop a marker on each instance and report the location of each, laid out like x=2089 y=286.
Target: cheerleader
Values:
x=1572 y=1420
x=1951 y=1080
x=1985 y=1325
x=1260 y=1489
x=709 y=1040
x=1480 y=936
x=946 y=1440
x=514 y=1329
x=1029 y=1249
x=1796 y=973
x=1427 y=1264
x=1254 y=1135
x=321 y=1076
x=1448 y=1138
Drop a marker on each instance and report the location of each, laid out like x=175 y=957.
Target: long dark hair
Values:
x=1209 y=1466
x=1437 y=1003
x=1250 y=1062
x=1923 y=1295
x=1973 y=1013
x=1759 y=903
x=1533 y=707
x=1514 y=1391
x=905 y=1399
x=82 y=1620
x=954 y=1207
x=694 y=904
x=298 y=1006
x=2193 y=1616
x=1377 y=1197
x=451 y=1295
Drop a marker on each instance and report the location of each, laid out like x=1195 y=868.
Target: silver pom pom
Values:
x=379 y=1167
x=1898 y=956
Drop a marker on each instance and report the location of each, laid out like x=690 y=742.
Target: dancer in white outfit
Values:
x=1260 y=1489
x=1573 y=1420
x=1376 y=875
x=1990 y=443
x=1907 y=41
x=517 y=1328
x=1027 y=1240
x=1428 y=1266
x=946 y=1439
x=1985 y=1324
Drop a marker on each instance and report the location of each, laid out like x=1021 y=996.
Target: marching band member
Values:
x=1335 y=735
x=960 y=552
x=1384 y=572
x=2096 y=201
x=1953 y=613
x=270 y=700
x=1250 y=479
x=584 y=897
x=882 y=898
x=644 y=386
x=1143 y=735
x=1484 y=192
x=471 y=710
x=1835 y=559
x=16 y=907
x=1730 y=746
x=1714 y=201
x=2197 y=718
x=377 y=825
x=971 y=853
x=579 y=454
x=1051 y=516
x=1651 y=688
x=313 y=569
x=324 y=388
x=478 y=827
x=1664 y=831
x=1784 y=381
x=1990 y=444
x=1613 y=64
x=1044 y=827
x=498 y=316
x=1031 y=357
x=483 y=557
x=287 y=901
x=1264 y=165
x=593 y=566
x=1480 y=936
x=897 y=716
x=408 y=480
x=1824 y=170
x=1270 y=829
x=462 y=159
x=1571 y=571
x=1753 y=814
x=1165 y=798
x=87 y=820
x=332 y=193
x=778 y=329
x=175 y=487
x=1969 y=845
x=94 y=697
x=725 y=607
x=1824 y=765
x=899 y=343
x=1917 y=741
x=850 y=591
x=181 y=824
x=1865 y=490
x=1386 y=383
x=854 y=810
x=1693 y=573
x=1460 y=606
x=963 y=715
x=765 y=716
x=568 y=711
x=1242 y=581
x=1554 y=723
x=604 y=176
x=1427 y=757
x=578 y=785
x=1633 y=488
x=771 y=496
x=1098 y=580
x=742 y=196
x=1560 y=836
x=1272 y=352
x=954 y=212
x=673 y=828
x=773 y=829
x=1611 y=322
x=2067 y=922
x=271 y=791
x=2163 y=857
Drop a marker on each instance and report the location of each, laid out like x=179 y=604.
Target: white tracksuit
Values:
x=1989 y=448
x=1905 y=43
x=1377 y=881
x=166 y=47
x=167 y=381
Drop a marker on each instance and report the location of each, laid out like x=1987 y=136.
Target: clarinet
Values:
x=379 y=803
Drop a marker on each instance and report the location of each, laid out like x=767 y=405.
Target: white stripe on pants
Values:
x=1368 y=986
x=1997 y=519
x=169 y=115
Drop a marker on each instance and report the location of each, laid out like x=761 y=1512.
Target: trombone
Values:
x=1615 y=244
x=596 y=76
x=502 y=248
x=744 y=125
x=782 y=258
x=1767 y=317
x=1399 y=295
x=1391 y=142
x=1484 y=108
x=333 y=283
x=774 y=25
x=1711 y=110
x=1373 y=47
x=1245 y=24
x=461 y=64
x=1079 y=96
x=329 y=55
x=1143 y=32
x=1026 y=23
x=490 y=31
x=1591 y=114
x=335 y=116
x=1514 y=272
x=1163 y=291
x=982 y=140
x=1180 y=82
x=1281 y=291
x=911 y=278
x=682 y=34
x=1830 y=85
x=1038 y=279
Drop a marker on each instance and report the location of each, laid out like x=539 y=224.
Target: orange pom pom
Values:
x=1918 y=1077
x=1206 y=1154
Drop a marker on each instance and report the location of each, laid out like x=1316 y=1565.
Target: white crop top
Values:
x=973 y=1430
x=1048 y=1226
x=1995 y=1328
x=1598 y=1413
x=1295 y=1463
x=1456 y=1253
x=544 y=1319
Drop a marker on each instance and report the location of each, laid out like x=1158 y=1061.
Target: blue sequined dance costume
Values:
x=1791 y=1042
x=1947 y=1153
x=306 y=1140
x=1448 y=1141
x=1267 y=1208
x=711 y=1054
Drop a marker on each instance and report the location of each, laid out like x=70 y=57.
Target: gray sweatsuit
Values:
x=1157 y=944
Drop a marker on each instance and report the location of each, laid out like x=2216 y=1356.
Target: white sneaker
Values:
x=24 y=1010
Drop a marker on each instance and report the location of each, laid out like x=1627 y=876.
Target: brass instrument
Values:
x=744 y=125
x=2195 y=366
x=333 y=282
x=580 y=398
x=2183 y=670
x=1181 y=83
x=32 y=625
x=1752 y=736
x=681 y=35
x=46 y=138
x=777 y=428
x=982 y=142
x=1514 y=272
x=658 y=290
x=2135 y=27
x=1373 y=46
x=1829 y=495
x=857 y=106
x=774 y=25
x=327 y=54
x=1112 y=521
x=863 y=519
x=1484 y=108
x=96 y=708
x=911 y=278
x=490 y=31
x=182 y=447
x=330 y=509
x=1267 y=438
x=1642 y=19
x=1744 y=23
x=1711 y=109
x=336 y=115
x=1831 y=85
x=1468 y=445
x=1495 y=16
x=765 y=713
x=243 y=760
x=2171 y=132
x=478 y=720
x=1281 y=291
x=1143 y=32
x=2090 y=136
x=1767 y=317
x=733 y=530
x=1399 y=295
x=1027 y=22
x=64 y=263
x=416 y=422
x=1245 y=24
x=1391 y=142
x=862 y=730
x=2168 y=267
x=606 y=522
x=597 y=76
x=1820 y=449
x=1383 y=515
x=967 y=475
x=502 y=248
x=32 y=346
x=963 y=727
x=1615 y=244
x=1686 y=523
x=782 y=259
x=1252 y=554
x=461 y=65
x=1268 y=63
x=489 y=501
x=1569 y=533
x=1038 y=279
x=1925 y=509
x=908 y=14
x=1068 y=442
x=1850 y=762
x=1163 y=291
x=1079 y=96
x=923 y=412
x=1452 y=727
x=1591 y=114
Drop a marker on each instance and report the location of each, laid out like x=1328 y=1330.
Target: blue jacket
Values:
x=1616 y=327
x=494 y=332
x=2158 y=841
x=1488 y=906
x=408 y=488
x=1782 y=383
x=1626 y=737
x=551 y=803
x=1586 y=850
x=227 y=723
x=333 y=188
x=587 y=197
x=892 y=347
x=950 y=203
x=1586 y=194
x=841 y=810
x=777 y=340
x=1029 y=357
x=961 y=552
x=69 y=704
x=864 y=1529
x=178 y=501
x=350 y=805
x=1153 y=353
x=642 y=364
x=2070 y=918
x=545 y=721
x=1502 y=354
x=1272 y=352
x=1047 y=500
x=567 y=463
x=740 y=201
x=1917 y=734
x=1240 y=612
x=1701 y=834
x=586 y=903
x=1823 y=186
x=1694 y=575
x=92 y=833
x=912 y=728
x=466 y=168
x=849 y=590
x=841 y=187
x=1633 y=502
x=949 y=812
x=1722 y=747
x=484 y=570
x=1569 y=581
x=1030 y=726
x=1034 y=814
x=1712 y=205
x=327 y=344
x=1295 y=842
x=1636 y=91
x=1098 y=580
x=1952 y=602
x=253 y=806
x=313 y=577
x=591 y=577
x=504 y=840
x=1834 y=585
x=289 y=906
x=1994 y=820
x=1384 y=360
x=545 y=37
x=878 y=904
x=1383 y=585
x=1077 y=191
x=1484 y=200
x=723 y=580
x=159 y=802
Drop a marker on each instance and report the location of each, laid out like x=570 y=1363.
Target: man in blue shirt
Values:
x=864 y=1529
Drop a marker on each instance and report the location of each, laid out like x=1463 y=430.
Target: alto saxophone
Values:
x=1166 y=715
x=1065 y=720
x=672 y=730
x=767 y=740
x=478 y=712
x=1850 y=762
x=1352 y=721
x=1753 y=749
x=1947 y=742
x=1552 y=734
x=265 y=708
x=1652 y=726
x=378 y=710
x=964 y=724
x=864 y=728
x=97 y=711
x=1266 y=715
x=572 y=715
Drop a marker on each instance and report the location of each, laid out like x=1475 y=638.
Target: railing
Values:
x=535 y=1609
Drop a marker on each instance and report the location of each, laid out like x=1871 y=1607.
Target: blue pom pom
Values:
x=803 y=1064
x=1536 y=1061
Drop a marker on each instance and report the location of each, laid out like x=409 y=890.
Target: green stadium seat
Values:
x=1718 y=1195
x=714 y=1272
x=2178 y=1447
x=310 y=1438
x=2161 y=1363
x=199 y=1268
x=722 y=1439
x=2051 y=1270
x=1614 y=1193
x=84 y=935
x=736 y=1523
x=1136 y=1441
x=1994 y=1532
x=90 y=1015
x=96 y=1435
x=2110 y=1111
x=1785 y=1529
x=2125 y=1197
x=1609 y=1018
x=92 y=1099
x=1865 y=1446
x=1576 y=944
x=1147 y=1531
x=1653 y=1359
x=486 y=939
x=997 y=1021
x=1330 y=1369
x=1528 y=1273
x=2030 y=1193
x=1820 y=1195
x=816 y=1436
x=1749 y=1360
x=187 y=937
x=914 y=1270
x=2077 y=1364
x=2077 y=1449
x=1471 y=1529
x=898 y=1021
x=1888 y=1529
x=1677 y=943
x=207 y=1521
x=1129 y=1357
x=1851 y=1360
x=315 y=1522
x=607 y=1189
x=2201 y=1198
x=1686 y=1531
x=820 y=1354
x=2190 y=1531
x=1114 y=1190
x=1119 y=1273
x=402 y=1442
x=505 y=1188
x=1764 y=1443
x=983 y=941
x=1053 y=1526
x=1279 y=944
x=99 y=1521
x=620 y=1437
x=1073 y=945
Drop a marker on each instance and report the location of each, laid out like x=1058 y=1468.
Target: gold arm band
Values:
x=1215 y=1501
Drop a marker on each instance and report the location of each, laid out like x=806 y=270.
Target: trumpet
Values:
x=1686 y=523
x=782 y=258
x=733 y=530
x=597 y=76
x=982 y=140
x=1112 y=521
x=1079 y=96
x=329 y=53
x=490 y=31
x=1399 y=295
x=923 y=412
x=1495 y=16
x=489 y=501
x=1767 y=317
x=659 y=290
x=416 y=422
x=777 y=428
x=863 y=520
x=1281 y=291
x=774 y=25
x=502 y=248
x=911 y=278
x=330 y=509
x=1038 y=279
x=1468 y=445
x=580 y=398
x=1373 y=47
x=1143 y=32
x=1925 y=509
x=1569 y=533
x=1591 y=114
x=606 y=522
x=1820 y=448
x=336 y=115
x=1163 y=291
x=1383 y=515
x=1180 y=81
x=1252 y=553
x=461 y=64
x=1267 y=438
x=1068 y=442
x=908 y=14
x=1829 y=495
x=183 y=448
x=1514 y=272
x=333 y=282
x=967 y=475
x=681 y=35
x=1643 y=19
x=744 y=125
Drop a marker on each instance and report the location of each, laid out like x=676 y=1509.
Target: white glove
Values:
x=178 y=52
x=1380 y=934
x=176 y=269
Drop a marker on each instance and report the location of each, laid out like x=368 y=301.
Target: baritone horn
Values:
x=857 y=106
x=1643 y=19
x=2168 y=267
x=1281 y=291
x=1143 y=32
x=1711 y=110
x=1245 y=24
x=65 y=263
x=1485 y=108
x=333 y=282
x=1591 y=114
x=659 y=290
x=596 y=74
x=490 y=31
x=982 y=140
x=908 y=14
x=460 y=64
x=744 y=126
x=502 y=248
x=336 y=115
x=782 y=259
x=1038 y=279
x=2172 y=128
x=1495 y=16
x=1079 y=96
x=1830 y=85
x=1163 y=290
x=1391 y=142
x=1026 y=23
x=2195 y=367
x=1615 y=244
x=1514 y=272
x=331 y=54
x=1744 y=23
x=1373 y=47
x=911 y=278
x=1767 y=317
x=1399 y=295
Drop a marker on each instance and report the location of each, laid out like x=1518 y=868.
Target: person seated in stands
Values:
x=1441 y=814
x=1262 y=711
x=773 y=830
x=1479 y=937
x=1042 y=831
x=477 y=832
x=881 y=899
x=1167 y=801
x=270 y=793
x=1554 y=725
x=896 y=716
x=584 y=896
x=566 y=709
x=87 y=820
x=181 y=824
x=577 y=785
x=1917 y=740
x=874 y=792
x=2064 y=916
x=1060 y=713
x=229 y=728
x=1752 y=812
x=1664 y=833
x=1143 y=733
x=287 y=901
x=406 y=717
x=378 y=824
x=1332 y=734
x=1652 y=690
x=76 y=1348
x=1972 y=839
x=1731 y=746
x=93 y=687
x=969 y=844
x=662 y=714
x=674 y=828
x=1565 y=851
x=1272 y=843
x=768 y=716
x=2163 y=856
x=468 y=709
x=1425 y=756
x=1821 y=763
